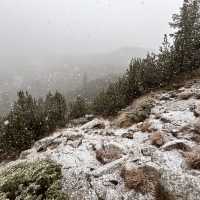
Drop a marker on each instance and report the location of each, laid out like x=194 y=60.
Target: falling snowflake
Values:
x=6 y=123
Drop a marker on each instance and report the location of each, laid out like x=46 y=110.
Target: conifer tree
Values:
x=186 y=37
x=18 y=131
x=78 y=108
x=55 y=110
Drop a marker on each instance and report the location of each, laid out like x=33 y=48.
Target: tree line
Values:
x=31 y=119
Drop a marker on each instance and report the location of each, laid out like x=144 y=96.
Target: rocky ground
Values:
x=157 y=159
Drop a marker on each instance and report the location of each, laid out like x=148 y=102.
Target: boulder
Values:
x=113 y=195
x=94 y=124
x=196 y=110
x=185 y=95
x=72 y=136
x=24 y=154
x=77 y=184
x=78 y=122
x=128 y=135
x=110 y=167
x=148 y=150
x=196 y=126
x=52 y=141
x=183 y=145
x=180 y=186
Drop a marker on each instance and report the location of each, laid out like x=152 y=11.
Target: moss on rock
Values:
x=30 y=181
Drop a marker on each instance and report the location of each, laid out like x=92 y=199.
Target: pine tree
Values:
x=19 y=129
x=134 y=78
x=61 y=109
x=85 y=83
x=186 y=38
x=30 y=120
x=78 y=108
x=166 y=60
x=55 y=110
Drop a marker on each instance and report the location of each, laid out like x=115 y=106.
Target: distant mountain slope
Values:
x=106 y=63
x=62 y=72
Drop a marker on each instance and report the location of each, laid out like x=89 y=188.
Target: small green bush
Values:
x=30 y=181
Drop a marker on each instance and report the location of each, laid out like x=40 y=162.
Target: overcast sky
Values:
x=40 y=27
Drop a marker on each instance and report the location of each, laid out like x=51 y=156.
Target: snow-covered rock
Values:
x=180 y=186
x=95 y=124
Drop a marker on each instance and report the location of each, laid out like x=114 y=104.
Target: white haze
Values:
x=52 y=44
x=36 y=28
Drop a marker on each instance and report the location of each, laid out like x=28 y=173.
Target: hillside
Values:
x=155 y=156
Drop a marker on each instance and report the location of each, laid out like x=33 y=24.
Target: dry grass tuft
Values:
x=157 y=139
x=133 y=179
x=123 y=121
x=105 y=156
x=193 y=159
x=146 y=127
x=144 y=180
x=135 y=113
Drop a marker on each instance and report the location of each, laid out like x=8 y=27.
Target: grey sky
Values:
x=39 y=27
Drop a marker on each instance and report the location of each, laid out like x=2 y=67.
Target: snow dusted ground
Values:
x=93 y=156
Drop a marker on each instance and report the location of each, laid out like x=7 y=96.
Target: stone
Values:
x=109 y=168
x=78 y=122
x=94 y=124
x=180 y=186
x=185 y=95
x=196 y=126
x=197 y=110
x=128 y=135
x=43 y=144
x=148 y=150
x=24 y=154
x=113 y=195
x=183 y=145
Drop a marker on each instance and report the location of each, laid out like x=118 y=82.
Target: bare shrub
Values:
x=133 y=179
x=144 y=179
x=137 y=112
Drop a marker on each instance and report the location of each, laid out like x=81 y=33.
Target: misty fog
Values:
x=37 y=28
x=52 y=44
